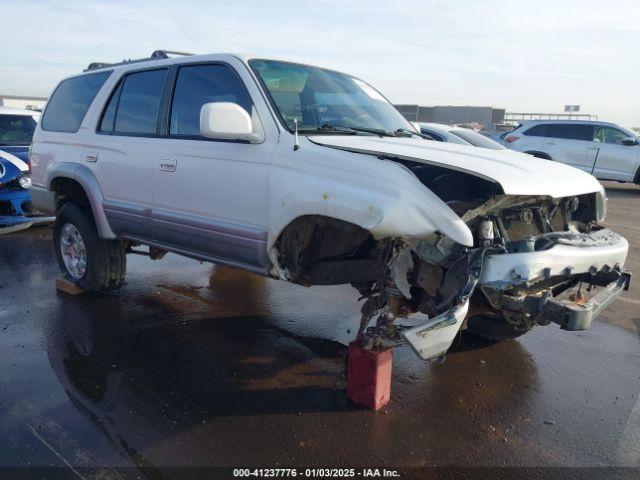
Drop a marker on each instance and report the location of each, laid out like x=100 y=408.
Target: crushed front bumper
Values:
x=577 y=315
x=571 y=254
x=547 y=285
x=566 y=278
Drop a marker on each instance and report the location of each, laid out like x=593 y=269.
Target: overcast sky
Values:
x=535 y=55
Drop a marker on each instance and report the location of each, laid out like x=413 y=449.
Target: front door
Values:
x=211 y=195
x=615 y=161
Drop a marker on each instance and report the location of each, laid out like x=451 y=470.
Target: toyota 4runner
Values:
x=311 y=176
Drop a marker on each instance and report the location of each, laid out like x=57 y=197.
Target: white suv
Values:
x=311 y=176
x=606 y=150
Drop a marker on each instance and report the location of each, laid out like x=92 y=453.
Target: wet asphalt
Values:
x=190 y=364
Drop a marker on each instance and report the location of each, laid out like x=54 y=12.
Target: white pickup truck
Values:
x=311 y=176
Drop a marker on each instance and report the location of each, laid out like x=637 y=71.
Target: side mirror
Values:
x=629 y=141
x=226 y=121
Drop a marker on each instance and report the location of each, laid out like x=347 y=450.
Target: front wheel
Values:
x=496 y=327
x=92 y=263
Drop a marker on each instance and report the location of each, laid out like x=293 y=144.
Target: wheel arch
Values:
x=318 y=249
x=67 y=175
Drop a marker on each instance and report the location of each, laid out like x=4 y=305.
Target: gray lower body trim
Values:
x=128 y=219
x=202 y=257
x=197 y=237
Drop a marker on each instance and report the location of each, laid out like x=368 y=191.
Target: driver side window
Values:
x=608 y=135
x=200 y=84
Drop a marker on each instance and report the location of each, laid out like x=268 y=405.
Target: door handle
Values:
x=551 y=143
x=168 y=165
x=91 y=157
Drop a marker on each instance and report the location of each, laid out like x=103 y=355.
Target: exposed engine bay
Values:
x=454 y=285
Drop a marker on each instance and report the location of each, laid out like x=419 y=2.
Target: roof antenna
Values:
x=296 y=145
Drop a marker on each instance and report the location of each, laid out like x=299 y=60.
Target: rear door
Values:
x=614 y=161
x=570 y=143
x=120 y=151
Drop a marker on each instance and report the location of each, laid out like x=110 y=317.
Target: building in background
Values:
x=449 y=114
x=22 y=102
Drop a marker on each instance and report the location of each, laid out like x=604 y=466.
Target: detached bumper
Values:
x=572 y=315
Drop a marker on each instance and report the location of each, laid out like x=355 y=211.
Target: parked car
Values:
x=16 y=131
x=498 y=136
x=311 y=176
x=606 y=150
x=441 y=132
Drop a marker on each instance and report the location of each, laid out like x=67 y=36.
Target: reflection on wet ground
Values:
x=195 y=365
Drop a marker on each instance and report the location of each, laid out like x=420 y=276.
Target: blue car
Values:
x=16 y=131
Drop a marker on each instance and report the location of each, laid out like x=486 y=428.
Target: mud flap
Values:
x=434 y=337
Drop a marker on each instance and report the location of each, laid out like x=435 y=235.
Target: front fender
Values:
x=85 y=177
x=390 y=203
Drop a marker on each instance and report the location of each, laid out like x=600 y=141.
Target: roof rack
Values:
x=156 y=55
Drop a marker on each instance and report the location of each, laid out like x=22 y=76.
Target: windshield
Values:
x=16 y=129
x=319 y=98
x=476 y=139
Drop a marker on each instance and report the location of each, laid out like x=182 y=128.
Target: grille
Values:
x=524 y=222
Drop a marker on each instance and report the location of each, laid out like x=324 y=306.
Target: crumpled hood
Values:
x=517 y=173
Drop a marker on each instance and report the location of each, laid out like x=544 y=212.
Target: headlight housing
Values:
x=25 y=181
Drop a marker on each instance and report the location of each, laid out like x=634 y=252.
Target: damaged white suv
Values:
x=311 y=176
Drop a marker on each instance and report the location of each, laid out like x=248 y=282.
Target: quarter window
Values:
x=70 y=101
x=200 y=84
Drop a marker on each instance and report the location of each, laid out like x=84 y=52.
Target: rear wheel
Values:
x=92 y=263
x=496 y=327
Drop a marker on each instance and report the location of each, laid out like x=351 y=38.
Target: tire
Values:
x=105 y=261
x=495 y=328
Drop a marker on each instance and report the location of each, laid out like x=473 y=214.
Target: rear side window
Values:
x=200 y=84
x=570 y=131
x=139 y=102
x=537 y=131
x=70 y=101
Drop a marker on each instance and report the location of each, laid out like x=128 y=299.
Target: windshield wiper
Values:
x=399 y=132
x=328 y=127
